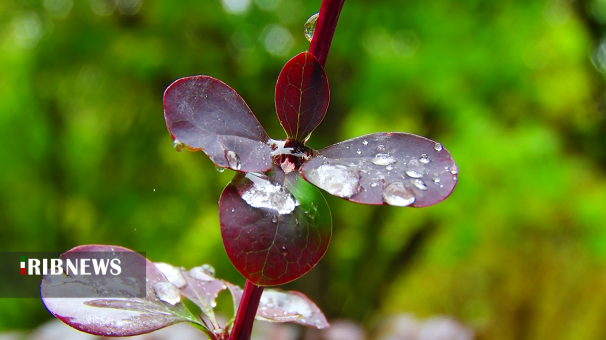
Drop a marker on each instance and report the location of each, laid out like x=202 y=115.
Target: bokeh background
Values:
x=514 y=89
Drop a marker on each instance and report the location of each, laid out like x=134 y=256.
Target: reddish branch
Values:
x=246 y=312
x=325 y=29
x=319 y=47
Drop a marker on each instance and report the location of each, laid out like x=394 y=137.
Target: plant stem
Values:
x=246 y=312
x=325 y=29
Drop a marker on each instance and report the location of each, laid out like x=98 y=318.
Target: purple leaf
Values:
x=202 y=289
x=395 y=168
x=116 y=316
x=279 y=306
x=302 y=96
x=275 y=228
x=203 y=113
x=292 y=306
x=236 y=294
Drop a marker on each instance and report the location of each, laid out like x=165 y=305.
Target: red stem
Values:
x=325 y=29
x=246 y=312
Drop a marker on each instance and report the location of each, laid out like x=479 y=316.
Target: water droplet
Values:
x=284 y=251
x=436 y=179
x=359 y=152
x=213 y=304
x=414 y=174
x=454 y=169
x=296 y=221
x=438 y=147
x=210 y=270
x=383 y=159
x=233 y=160
x=154 y=189
x=274 y=219
x=233 y=209
x=365 y=142
x=399 y=195
x=220 y=169
x=264 y=194
x=310 y=26
x=374 y=184
x=167 y=292
x=424 y=159
x=172 y=274
x=381 y=148
x=389 y=168
x=202 y=274
x=178 y=145
x=338 y=180
x=419 y=184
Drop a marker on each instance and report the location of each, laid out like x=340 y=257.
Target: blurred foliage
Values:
x=512 y=88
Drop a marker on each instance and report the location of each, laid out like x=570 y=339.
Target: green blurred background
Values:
x=514 y=89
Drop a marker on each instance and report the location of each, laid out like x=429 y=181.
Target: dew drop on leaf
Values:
x=454 y=169
x=274 y=219
x=383 y=159
x=310 y=26
x=263 y=194
x=389 y=168
x=424 y=159
x=178 y=145
x=365 y=142
x=202 y=274
x=419 y=184
x=210 y=270
x=413 y=174
x=219 y=169
x=284 y=251
x=399 y=195
x=359 y=152
x=172 y=274
x=381 y=148
x=338 y=180
x=438 y=147
x=167 y=292
x=233 y=160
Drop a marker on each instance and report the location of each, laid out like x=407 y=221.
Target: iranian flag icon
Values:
x=22 y=265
